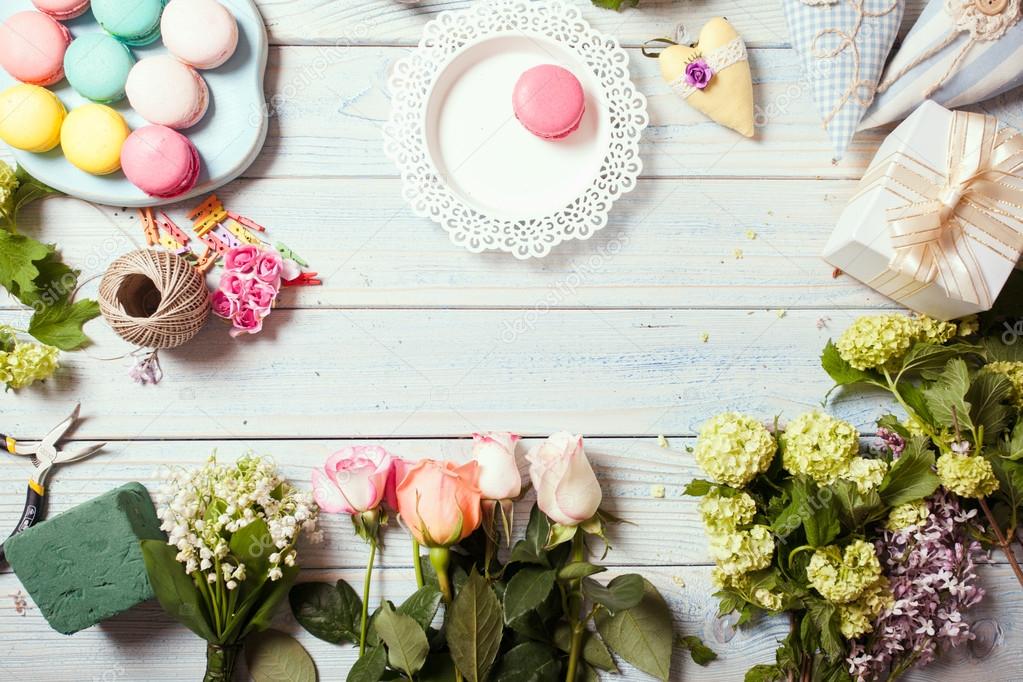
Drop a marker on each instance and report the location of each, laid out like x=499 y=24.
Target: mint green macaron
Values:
x=97 y=65
x=133 y=22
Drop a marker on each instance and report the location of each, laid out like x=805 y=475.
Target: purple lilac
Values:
x=892 y=441
x=932 y=570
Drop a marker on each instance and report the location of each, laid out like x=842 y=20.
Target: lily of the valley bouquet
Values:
x=532 y=609
x=230 y=556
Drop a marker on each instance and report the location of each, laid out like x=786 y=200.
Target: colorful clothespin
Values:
x=306 y=279
x=149 y=227
x=168 y=242
x=287 y=253
x=171 y=228
x=225 y=236
x=238 y=230
x=211 y=240
x=247 y=222
x=206 y=260
x=208 y=205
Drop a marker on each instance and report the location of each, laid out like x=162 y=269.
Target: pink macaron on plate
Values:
x=227 y=139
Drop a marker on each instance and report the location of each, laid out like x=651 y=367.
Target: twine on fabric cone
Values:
x=154 y=299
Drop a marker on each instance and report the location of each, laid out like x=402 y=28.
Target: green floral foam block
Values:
x=85 y=565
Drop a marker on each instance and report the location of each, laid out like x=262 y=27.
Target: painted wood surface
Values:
x=705 y=293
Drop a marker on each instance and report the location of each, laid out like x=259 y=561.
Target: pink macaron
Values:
x=548 y=100
x=201 y=33
x=62 y=10
x=166 y=92
x=160 y=161
x=32 y=47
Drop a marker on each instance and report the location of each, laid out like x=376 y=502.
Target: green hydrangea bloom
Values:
x=857 y=617
x=1013 y=371
x=733 y=448
x=968 y=326
x=842 y=575
x=908 y=515
x=744 y=584
x=817 y=445
x=934 y=331
x=867 y=474
x=875 y=340
x=967 y=476
x=8 y=185
x=742 y=551
x=723 y=514
x=26 y=363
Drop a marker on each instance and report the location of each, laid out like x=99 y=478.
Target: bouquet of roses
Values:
x=539 y=615
x=249 y=286
x=230 y=556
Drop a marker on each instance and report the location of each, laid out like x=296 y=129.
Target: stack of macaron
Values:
x=167 y=91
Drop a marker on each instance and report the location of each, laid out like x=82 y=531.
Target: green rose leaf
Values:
x=579 y=569
x=642 y=635
x=273 y=656
x=531 y=548
x=370 y=667
x=421 y=606
x=528 y=662
x=911 y=476
x=475 y=626
x=595 y=652
x=406 y=642
x=700 y=652
x=329 y=612
x=624 y=592
x=174 y=589
x=526 y=590
x=559 y=535
x=438 y=668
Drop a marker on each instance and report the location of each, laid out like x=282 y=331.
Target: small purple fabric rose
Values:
x=699 y=73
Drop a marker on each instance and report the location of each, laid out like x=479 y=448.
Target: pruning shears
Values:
x=45 y=456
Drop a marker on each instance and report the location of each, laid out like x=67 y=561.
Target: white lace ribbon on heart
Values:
x=730 y=53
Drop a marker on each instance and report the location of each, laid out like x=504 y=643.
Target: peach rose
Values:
x=567 y=490
x=440 y=502
x=499 y=472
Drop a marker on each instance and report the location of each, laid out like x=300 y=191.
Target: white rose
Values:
x=567 y=490
x=499 y=472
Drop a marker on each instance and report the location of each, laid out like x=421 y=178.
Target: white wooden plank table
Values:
x=416 y=343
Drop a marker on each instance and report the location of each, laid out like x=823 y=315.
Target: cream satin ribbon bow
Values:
x=933 y=238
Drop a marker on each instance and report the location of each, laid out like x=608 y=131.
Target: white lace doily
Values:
x=406 y=141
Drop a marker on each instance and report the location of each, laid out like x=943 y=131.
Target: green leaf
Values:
x=579 y=569
x=616 y=5
x=29 y=189
x=528 y=662
x=422 y=605
x=642 y=635
x=329 y=612
x=370 y=666
x=406 y=642
x=559 y=535
x=764 y=673
x=698 y=487
x=475 y=626
x=623 y=592
x=823 y=621
x=989 y=392
x=175 y=591
x=820 y=519
x=946 y=396
x=60 y=324
x=700 y=652
x=270 y=598
x=911 y=476
x=1014 y=443
x=252 y=545
x=18 y=271
x=595 y=652
x=273 y=656
x=840 y=371
x=926 y=357
x=855 y=508
x=531 y=548
x=526 y=590
x=438 y=668
x=915 y=399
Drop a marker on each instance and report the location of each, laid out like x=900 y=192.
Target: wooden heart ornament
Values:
x=713 y=75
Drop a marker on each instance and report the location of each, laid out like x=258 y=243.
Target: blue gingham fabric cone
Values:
x=956 y=54
x=843 y=45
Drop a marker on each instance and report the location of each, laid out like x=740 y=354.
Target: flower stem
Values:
x=366 y=581
x=440 y=559
x=575 y=604
x=1003 y=542
x=417 y=564
x=220 y=662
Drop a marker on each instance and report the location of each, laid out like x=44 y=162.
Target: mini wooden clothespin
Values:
x=149 y=226
x=206 y=260
x=247 y=222
x=306 y=279
x=225 y=236
x=207 y=206
x=171 y=228
x=214 y=242
x=239 y=231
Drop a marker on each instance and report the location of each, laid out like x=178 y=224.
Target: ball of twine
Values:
x=154 y=299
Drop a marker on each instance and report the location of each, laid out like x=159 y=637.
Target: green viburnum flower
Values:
x=867 y=474
x=25 y=363
x=907 y=515
x=817 y=445
x=875 y=340
x=968 y=326
x=966 y=475
x=1013 y=371
x=744 y=584
x=857 y=617
x=742 y=551
x=8 y=185
x=724 y=514
x=934 y=331
x=842 y=575
x=733 y=448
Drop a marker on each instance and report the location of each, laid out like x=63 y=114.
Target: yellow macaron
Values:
x=30 y=118
x=92 y=137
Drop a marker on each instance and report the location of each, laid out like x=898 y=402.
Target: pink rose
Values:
x=241 y=259
x=499 y=472
x=567 y=490
x=268 y=267
x=440 y=502
x=223 y=305
x=259 y=296
x=353 y=480
x=233 y=284
x=247 y=321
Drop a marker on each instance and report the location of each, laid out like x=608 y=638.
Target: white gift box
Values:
x=937 y=221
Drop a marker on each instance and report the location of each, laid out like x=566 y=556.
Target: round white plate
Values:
x=228 y=138
x=468 y=163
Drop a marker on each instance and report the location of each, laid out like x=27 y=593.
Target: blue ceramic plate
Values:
x=228 y=138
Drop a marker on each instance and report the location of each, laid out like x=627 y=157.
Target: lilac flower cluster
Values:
x=933 y=576
x=893 y=441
